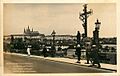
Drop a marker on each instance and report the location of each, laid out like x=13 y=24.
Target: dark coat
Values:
x=78 y=51
x=94 y=55
x=45 y=52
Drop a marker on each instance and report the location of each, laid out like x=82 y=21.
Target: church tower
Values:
x=24 y=30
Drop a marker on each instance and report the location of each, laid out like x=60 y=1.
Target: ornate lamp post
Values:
x=53 y=45
x=96 y=34
x=53 y=34
x=96 y=43
x=83 y=17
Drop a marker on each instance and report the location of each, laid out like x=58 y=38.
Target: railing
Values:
x=105 y=57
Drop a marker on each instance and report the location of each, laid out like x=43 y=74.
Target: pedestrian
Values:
x=95 y=56
x=45 y=51
x=88 y=50
x=53 y=51
x=78 y=52
x=78 y=37
x=28 y=50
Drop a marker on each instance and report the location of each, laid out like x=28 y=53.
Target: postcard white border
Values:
x=61 y=1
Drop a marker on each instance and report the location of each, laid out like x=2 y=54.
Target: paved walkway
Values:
x=73 y=61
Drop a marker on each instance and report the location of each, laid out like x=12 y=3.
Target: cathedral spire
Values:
x=32 y=29
x=24 y=30
x=28 y=27
x=28 y=30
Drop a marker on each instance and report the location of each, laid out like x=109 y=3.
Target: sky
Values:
x=63 y=18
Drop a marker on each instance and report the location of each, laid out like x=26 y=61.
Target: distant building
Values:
x=26 y=36
x=63 y=40
x=30 y=32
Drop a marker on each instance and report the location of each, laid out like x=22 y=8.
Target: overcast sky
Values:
x=63 y=18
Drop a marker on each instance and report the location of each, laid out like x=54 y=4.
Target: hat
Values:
x=78 y=45
x=93 y=45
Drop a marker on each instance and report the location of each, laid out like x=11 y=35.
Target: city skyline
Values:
x=63 y=18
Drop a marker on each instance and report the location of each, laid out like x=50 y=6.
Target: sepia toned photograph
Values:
x=42 y=38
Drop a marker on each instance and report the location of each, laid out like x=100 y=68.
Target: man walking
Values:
x=78 y=47
x=95 y=56
x=78 y=52
x=45 y=51
x=88 y=48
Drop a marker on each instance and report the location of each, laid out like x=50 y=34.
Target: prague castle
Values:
x=30 y=32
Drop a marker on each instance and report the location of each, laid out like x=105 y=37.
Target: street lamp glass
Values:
x=97 y=26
